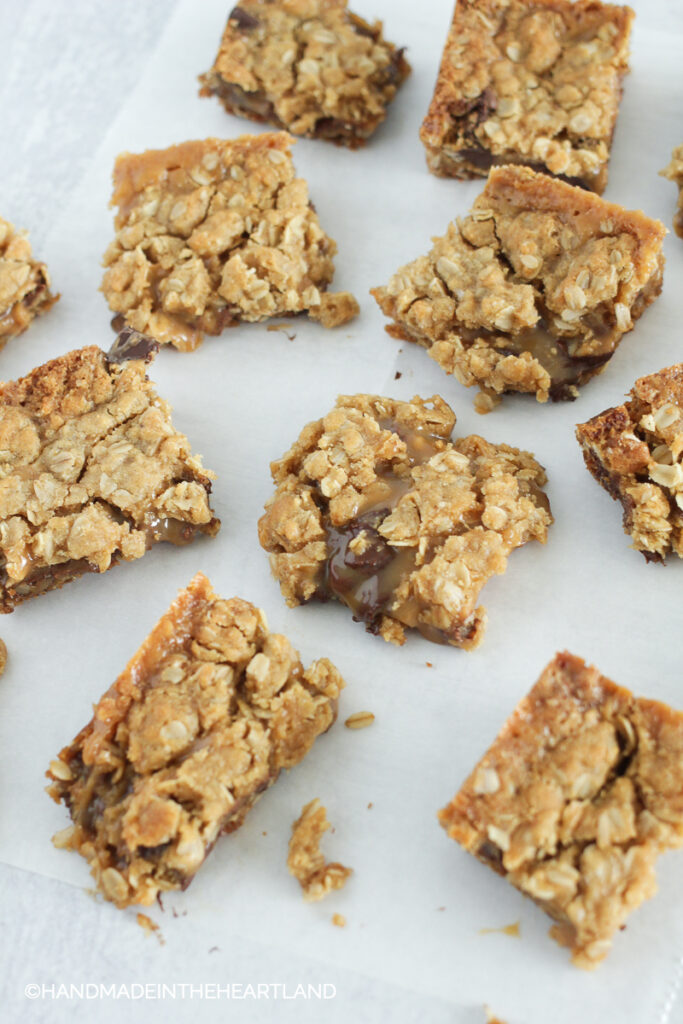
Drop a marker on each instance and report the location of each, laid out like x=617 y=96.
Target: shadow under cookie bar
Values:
x=532 y=291
x=199 y=724
x=24 y=284
x=92 y=470
x=674 y=172
x=575 y=800
x=211 y=233
x=312 y=67
x=634 y=451
x=534 y=82
x=377 y=508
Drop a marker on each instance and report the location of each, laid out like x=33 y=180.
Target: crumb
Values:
x=429 y=664
x=370 y=805
x=282 y=327
x=3 y=656
x=508 y=929
x=398 y=375
x=151 y=927
x=360 y=720
x=306 y=862
x=339 y=920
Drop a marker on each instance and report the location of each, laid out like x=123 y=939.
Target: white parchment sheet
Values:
x=416 y=903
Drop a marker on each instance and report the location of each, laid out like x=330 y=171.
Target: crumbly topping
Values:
x=578 y=795
x=674 y=172
x=91 y=471
x=310 y=66
x=529 y=81
x=198 y=725
x=634 y=451
x=24 y=284
x=211 y=233
x=533 y=290
x=376 y=507
x=305 y=860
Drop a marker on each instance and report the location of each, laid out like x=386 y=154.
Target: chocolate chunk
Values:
x=131 y=344
x=244 y=21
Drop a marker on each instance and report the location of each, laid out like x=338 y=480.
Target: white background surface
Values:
x=79 y=82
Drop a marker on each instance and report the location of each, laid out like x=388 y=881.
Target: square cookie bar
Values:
x=535 y=82
x=310 y=66
x=197 y=726
x=92 y=470
x=634 y=451
x=532 y=291
x=579 y=794
x=211 y=233
x=24 y=284
x=377 y=508
x=674 y=172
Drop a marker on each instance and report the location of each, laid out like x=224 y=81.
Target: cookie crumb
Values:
x=360 y=720
x=306 y=862
x=507 y=929
x=3 y=656
x=150 y=926
x=339 y=920
x=398 y=375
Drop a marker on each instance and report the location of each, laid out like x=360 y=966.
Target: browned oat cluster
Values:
x=305 y=861
x=536 y=82
x=532 y=291
x=634 y=451
x=211 y=233
x=577 y=797
x=674 y=172
x=24 y=284
x=310 y=66
x=92 y=470
x=198 y=725
x=377 y=508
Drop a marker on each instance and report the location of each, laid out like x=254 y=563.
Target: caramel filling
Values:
x=363 y=570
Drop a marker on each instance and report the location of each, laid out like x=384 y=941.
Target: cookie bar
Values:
x=197 y=726
x=634 y=451
x=305 y=860
x=532 y=291
x=377 y=508
x=674 y=172
x=92 y=470
x=212 y=233
x=310 y=66
x=24 y=284
x=535 y=82
x=579 y=794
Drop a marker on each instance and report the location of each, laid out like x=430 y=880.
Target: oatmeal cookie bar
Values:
x=532 y=291
x=579 y=794
x=674 y=172
x=24 y=284
x=310 y=66
x=535 y=82
x=92 y=470
x=197 y=726
x=305 y=860
x=634 y=451
x=211 y=233
x=377 y=508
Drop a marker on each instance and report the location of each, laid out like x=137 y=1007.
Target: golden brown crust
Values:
x=92 y=471
x=377 y=508
x=533 y=291
x=213 y=232
x=578 y=795
x=634 y=452
x=674 y=172
x=529 y=81
x=198 y=725
x=24 y=284
x=310 y=66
